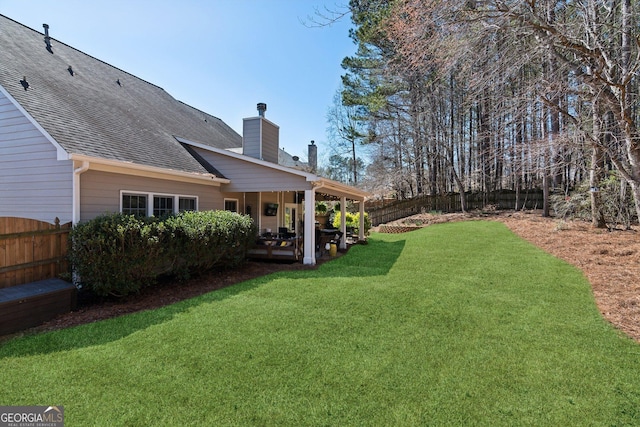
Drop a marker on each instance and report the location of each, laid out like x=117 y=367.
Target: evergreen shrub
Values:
x=116 y=254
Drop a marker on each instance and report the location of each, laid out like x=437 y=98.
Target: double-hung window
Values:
x=134 y=204
x=158 y=205
x=186 y=204
x=231 y=205
x=162 y=205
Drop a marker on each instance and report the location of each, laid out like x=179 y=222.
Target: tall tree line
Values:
x=480 y=95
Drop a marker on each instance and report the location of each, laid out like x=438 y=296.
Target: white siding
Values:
x=249 y=177
x=33 y=183
x=100 y=192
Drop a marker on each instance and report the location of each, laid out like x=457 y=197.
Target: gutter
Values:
x=136 y=169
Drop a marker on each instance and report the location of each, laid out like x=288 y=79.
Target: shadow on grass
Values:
x=376 y=258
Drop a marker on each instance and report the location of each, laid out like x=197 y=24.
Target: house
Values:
x=80 y=137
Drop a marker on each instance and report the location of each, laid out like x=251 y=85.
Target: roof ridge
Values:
x=84 y=53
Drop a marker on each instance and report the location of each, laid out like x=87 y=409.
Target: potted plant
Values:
x=322 y=214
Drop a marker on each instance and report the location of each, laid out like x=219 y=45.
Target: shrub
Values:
x=617 y=205
x=353 y=221
x=119 y=254
x=201 y=240
x=575 y=205
x=617 y=202
x=116 y=254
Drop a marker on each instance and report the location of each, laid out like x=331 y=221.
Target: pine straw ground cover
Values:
x=609 y=259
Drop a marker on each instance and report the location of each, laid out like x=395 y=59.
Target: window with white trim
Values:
x=186 y=204
x=162 y=205
x=158 y=205
x=134 y=204
x=231 y=205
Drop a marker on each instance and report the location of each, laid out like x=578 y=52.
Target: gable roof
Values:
x=94 y=109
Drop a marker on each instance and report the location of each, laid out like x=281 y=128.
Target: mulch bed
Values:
x=91 y=308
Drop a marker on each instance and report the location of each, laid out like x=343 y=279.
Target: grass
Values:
x=455 y=324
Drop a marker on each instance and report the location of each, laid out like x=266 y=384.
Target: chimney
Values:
x=313 y=157
x=262 y=107
x=47 y=39
x=260 y=137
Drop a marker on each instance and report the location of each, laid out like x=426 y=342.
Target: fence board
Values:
x=393 y=211
x=31 y=250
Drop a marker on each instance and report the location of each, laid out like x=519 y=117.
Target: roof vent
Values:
x=70 y=70
x=24 y=83
x=47 y=39
x=262 y=107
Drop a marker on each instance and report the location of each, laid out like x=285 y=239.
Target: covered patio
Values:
x=280 y=199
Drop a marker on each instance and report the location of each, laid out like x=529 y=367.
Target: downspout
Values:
x=75 y=215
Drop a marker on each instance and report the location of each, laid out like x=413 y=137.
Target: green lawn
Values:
x=455 y=324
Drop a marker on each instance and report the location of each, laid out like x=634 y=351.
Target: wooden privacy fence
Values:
x=31 y=250
x=531 y=199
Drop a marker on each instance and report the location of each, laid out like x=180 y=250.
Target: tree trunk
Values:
x=546 y=210
x=595 y=176
x=595 y=171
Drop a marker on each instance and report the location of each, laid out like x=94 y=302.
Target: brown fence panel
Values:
x=531 y=199
x=31 y=250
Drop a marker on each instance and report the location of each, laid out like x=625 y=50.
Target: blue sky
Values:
x=220 y=56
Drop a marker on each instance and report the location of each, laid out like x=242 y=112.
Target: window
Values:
x=186 y=204
x=158 y=205
x=231 y=205
x=162 y=205
x=134 y=204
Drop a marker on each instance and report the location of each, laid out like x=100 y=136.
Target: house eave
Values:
x=129 y=168
x=338 y=189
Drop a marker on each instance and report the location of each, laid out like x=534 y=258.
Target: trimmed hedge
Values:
x=117 y=254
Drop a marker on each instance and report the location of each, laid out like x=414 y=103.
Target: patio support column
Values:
x=361 y=227
x=343 y=222
x=309 y=255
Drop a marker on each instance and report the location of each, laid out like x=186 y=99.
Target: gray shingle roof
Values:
x=100 y=110
x=286 y=159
